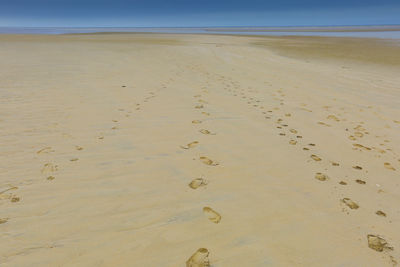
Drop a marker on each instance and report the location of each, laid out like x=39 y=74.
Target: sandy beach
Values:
x=199 y=150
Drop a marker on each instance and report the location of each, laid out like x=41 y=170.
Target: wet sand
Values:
x=197 y=150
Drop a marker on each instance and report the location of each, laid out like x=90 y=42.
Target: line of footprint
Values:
x=375 y=242
x=201 y=257
x=49 y=169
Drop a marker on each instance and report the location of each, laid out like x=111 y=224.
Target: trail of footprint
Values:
x=212 y=215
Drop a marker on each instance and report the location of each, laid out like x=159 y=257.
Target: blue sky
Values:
x=192 y=13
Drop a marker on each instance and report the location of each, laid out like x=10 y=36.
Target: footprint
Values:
x=205 y=113
x=292 y=142
x=190 y=145
x=321 y=176
x=378 y=243
x=49 y=167
x=15 y=199
x=380 y=213
x=358 y=134
x=50 y=178
x=199 y=106
x=342 y=183
x=293 y=131
x=352 y=138
x=212 y=215
x=198 y=182
x=78 y=147
x=204 y=131
x=350 y=203
x=208 y=161
x=3 y=220
x=199 y=259
x=333 y=117
x=45 y=150
x=315 y=157
x=358 y=181
x=361 y=146
x=389 y=166
x=323 y=123
x=335 y=163
x=74 y=159
x=357 y=167
x=196 y=121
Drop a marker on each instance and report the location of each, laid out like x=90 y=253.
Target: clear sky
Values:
x=192 y=13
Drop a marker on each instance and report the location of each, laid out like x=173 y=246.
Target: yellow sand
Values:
x=92 y=172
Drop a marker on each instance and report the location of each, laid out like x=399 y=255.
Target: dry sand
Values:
x=141 y=149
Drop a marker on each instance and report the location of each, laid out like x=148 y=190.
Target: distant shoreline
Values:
x=371 y=31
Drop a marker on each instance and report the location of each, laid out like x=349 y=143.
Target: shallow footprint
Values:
x=45 y=150
x=190 y=145
x=350 y=203
x=321 y=176
x=198 y=182
x=204 y=131
x=315 y=157
x=49 y=167
x=196 y=121
x=208 y=161
x=292 y=142
x=212 y=215
x=389 y=166
x=199 y=259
